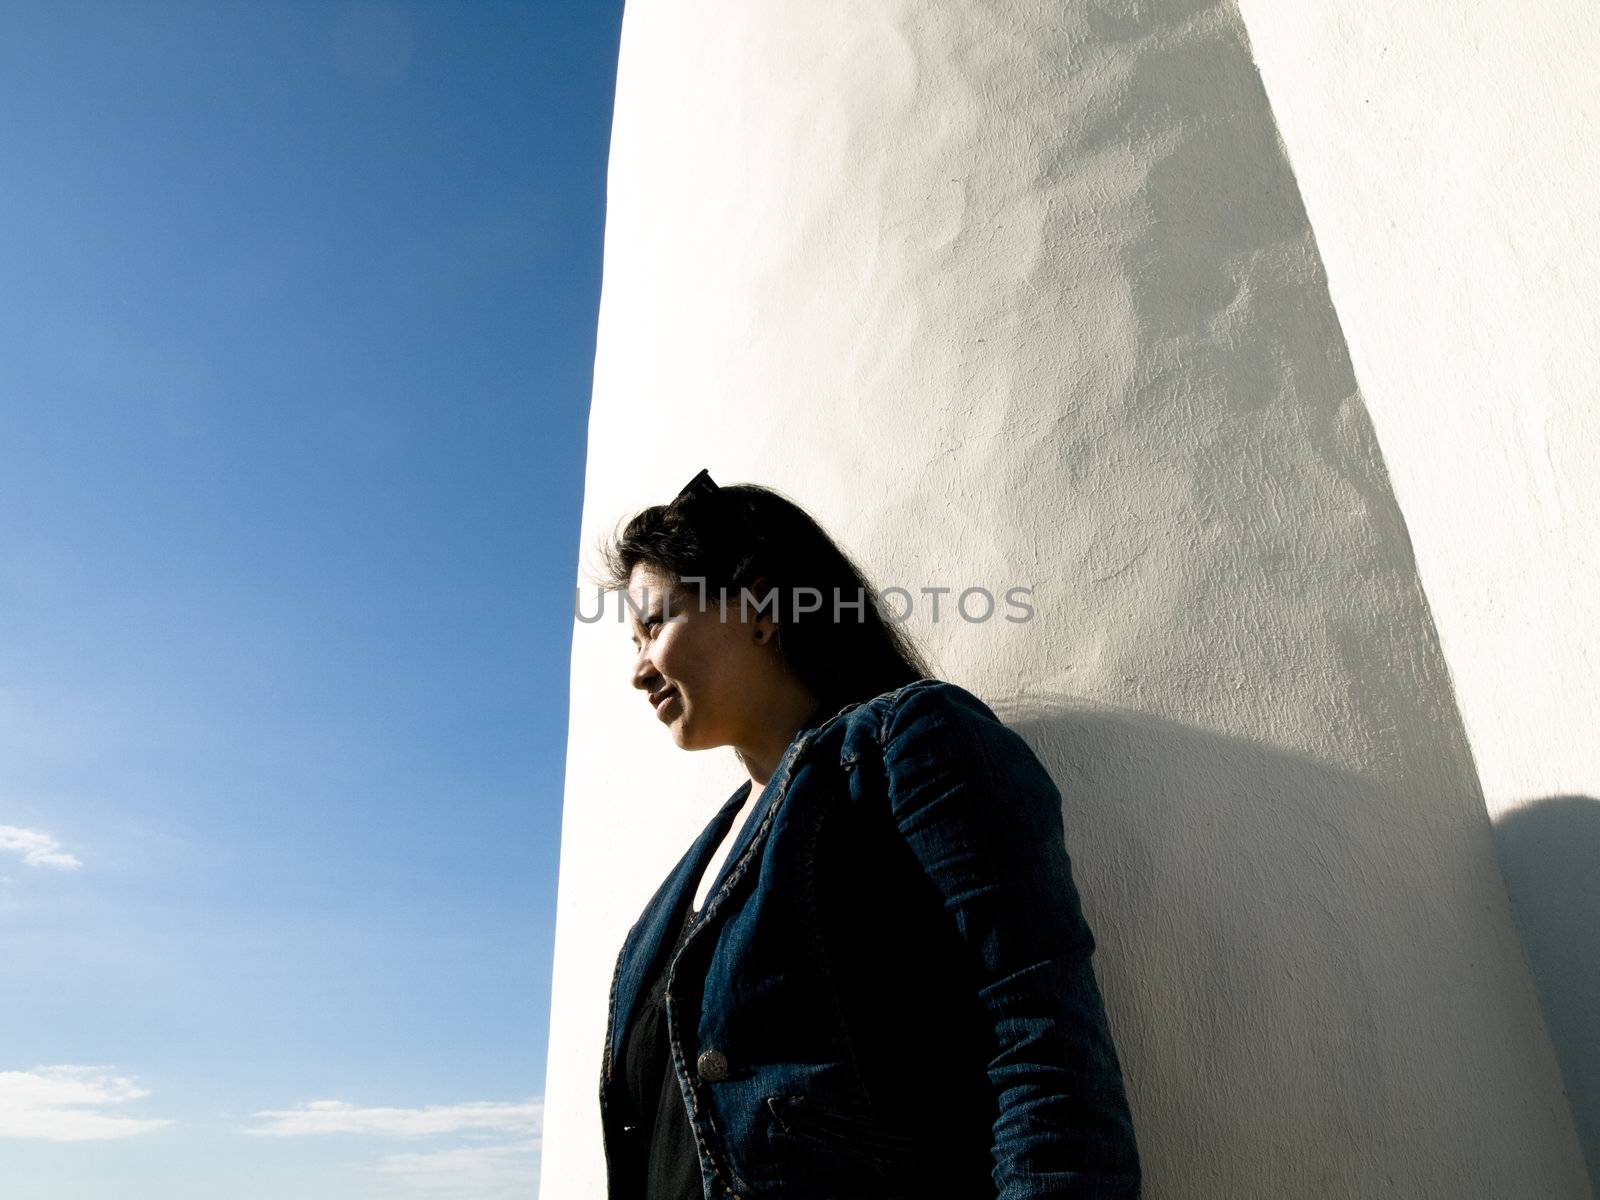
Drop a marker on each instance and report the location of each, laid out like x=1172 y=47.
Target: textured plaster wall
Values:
x=1449 y=155
x=1023 y=294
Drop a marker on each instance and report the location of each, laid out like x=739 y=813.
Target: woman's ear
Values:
x=764 y=614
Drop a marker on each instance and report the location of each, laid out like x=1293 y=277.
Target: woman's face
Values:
x=705 y=676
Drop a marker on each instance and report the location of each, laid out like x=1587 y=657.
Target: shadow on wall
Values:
x=1280 y=946
x=1550 y=855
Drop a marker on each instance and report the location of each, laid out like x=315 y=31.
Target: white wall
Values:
x=1449 y=155
x=1016 y=293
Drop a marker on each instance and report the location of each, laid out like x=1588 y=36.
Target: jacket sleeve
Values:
x=982 y=817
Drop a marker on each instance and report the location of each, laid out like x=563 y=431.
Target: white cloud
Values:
x=62 y=1104
x=38 y=849
x=335 y=1116
x=496 y=1155
x=488 y=1172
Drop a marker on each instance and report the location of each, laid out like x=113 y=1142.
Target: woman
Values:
x=870 y=976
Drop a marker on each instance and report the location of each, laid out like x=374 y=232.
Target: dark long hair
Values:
x=745 y=535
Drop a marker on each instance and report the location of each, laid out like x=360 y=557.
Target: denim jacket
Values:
x=888 y=992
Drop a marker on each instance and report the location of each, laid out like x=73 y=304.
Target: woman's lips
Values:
x=661 y=704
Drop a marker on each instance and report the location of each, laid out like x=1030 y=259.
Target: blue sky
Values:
x=297 y=308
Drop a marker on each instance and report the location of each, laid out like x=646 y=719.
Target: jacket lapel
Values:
x=656 y=931
x=748 y=844
x=657 y=928
x=751 y=835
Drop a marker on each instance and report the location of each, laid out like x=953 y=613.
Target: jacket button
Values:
x=712 y=1065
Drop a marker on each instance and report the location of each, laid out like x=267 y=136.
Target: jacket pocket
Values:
x=802 y=1117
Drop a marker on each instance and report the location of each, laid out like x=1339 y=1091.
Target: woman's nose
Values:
x=644 y=671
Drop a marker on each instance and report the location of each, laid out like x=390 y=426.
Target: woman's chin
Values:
x=687 y=736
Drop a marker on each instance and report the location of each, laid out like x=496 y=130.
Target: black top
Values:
x=672 y=1161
